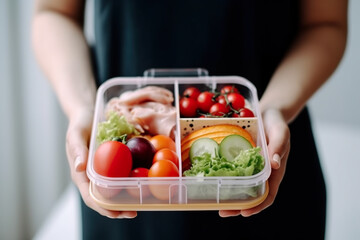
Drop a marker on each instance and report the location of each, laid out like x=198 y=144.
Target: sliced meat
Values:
x=150 y=93
x=151 y=117
x=149 y=109
x=155 y=118
x=123 y=110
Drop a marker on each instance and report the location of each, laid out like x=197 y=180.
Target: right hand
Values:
x=278 y=138
x=77 y=142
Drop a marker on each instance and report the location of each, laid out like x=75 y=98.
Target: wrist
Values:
x=287 y=113
x=81 y=112
x=273 y=113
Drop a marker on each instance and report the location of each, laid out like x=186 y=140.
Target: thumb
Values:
x=278 y=136
x=76 y=148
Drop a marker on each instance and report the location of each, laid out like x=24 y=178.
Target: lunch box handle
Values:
x=175 y=72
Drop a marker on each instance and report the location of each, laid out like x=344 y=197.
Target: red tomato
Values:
x=191 y=92
x=228 y=89
x=139 y=172
x=205 y=101
x=162 y=141
x=167 y=154
x=221 y=99
x=188 y=107
x=162 y=168
x=244 y=112
x=218 y=109
x=113 y=159
x=135 y=192
x=237 y=100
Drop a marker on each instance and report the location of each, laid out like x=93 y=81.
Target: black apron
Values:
x=246 y=38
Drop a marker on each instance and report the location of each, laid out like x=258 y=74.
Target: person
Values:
x=288 y=49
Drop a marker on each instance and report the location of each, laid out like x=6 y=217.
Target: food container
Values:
x=181 y=193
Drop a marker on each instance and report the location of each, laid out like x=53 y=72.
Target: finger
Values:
x=76 y=148
x=274 y=183
x=279 y=145
x=127 y=214
x=82 y=182
x=278 y=136
x=229 y=213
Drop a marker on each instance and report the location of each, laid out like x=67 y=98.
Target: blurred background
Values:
x=37 y=198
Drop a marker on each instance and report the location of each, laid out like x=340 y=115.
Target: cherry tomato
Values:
x=244 y=112
x=237 y=100
x=162 y=168
x=228 y=89
x=113 y=159
x=167 y=154
x=221 y=99
x=135 y=192
x=205 y=101
x=188 y=107
x=162 y=141
x=191 y=92
x=218 y=109
x=139 y=172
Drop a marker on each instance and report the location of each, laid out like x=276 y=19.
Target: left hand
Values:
x=278 y=139
x=77 y=139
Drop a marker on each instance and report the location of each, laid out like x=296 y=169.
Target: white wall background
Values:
x=336 y=119
x=33 y=170
x=34 y=173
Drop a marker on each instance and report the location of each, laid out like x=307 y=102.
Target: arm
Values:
x=313 y=57
x=63 y=54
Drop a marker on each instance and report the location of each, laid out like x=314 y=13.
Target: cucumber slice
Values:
x=204 y=145
x=231 y=146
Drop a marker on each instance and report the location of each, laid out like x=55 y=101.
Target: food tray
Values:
x=184 y=193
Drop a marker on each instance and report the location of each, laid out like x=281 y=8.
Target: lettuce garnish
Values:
x=114 y=127
x=248 y=162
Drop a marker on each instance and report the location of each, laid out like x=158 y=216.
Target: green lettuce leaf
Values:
x=114 y=127
x=247 y=163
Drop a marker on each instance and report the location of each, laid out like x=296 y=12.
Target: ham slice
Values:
x=149 y=109
x=155 y=118
x=123 y=110
x=150 y=93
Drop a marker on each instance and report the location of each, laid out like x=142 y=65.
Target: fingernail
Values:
x=123 y=217
x=78 y=163
x=276 y=158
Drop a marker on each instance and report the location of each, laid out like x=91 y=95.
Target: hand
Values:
x=77 y=141
x=278 y=138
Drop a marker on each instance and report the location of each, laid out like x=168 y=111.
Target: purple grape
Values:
x=142 y=152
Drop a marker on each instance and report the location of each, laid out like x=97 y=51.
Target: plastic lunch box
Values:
x=185 y=193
